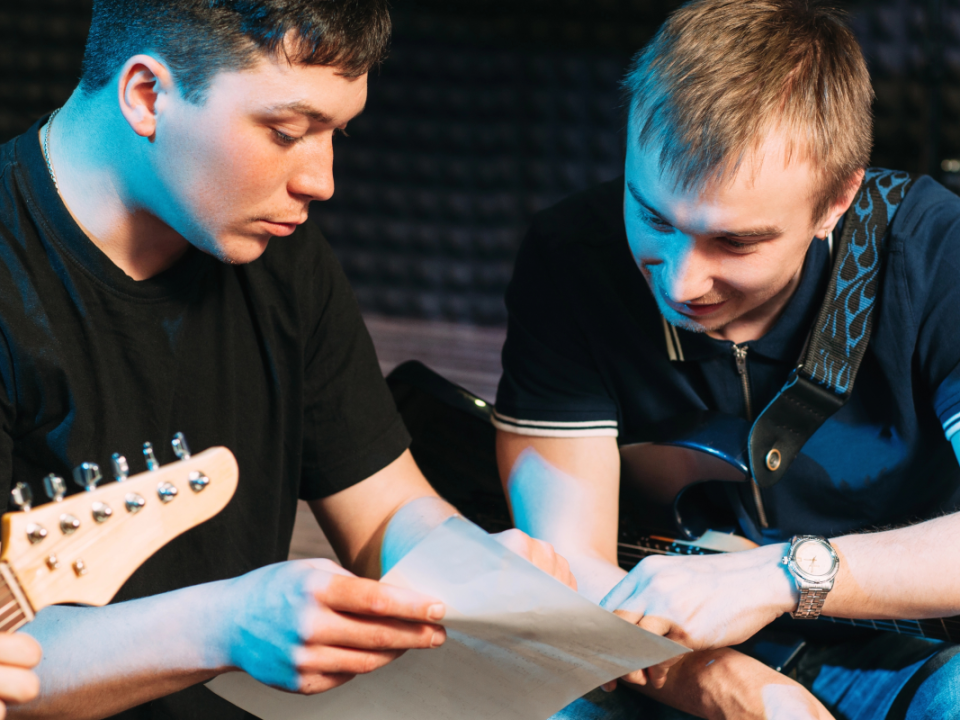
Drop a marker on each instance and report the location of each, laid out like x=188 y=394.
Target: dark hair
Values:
x=198 y=38
x=721 y=74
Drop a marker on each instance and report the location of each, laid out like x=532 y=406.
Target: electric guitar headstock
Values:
x=82 y=548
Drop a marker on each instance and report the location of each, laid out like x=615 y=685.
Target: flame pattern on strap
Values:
x=843 y=326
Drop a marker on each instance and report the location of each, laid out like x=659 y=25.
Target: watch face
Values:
x=814 y=558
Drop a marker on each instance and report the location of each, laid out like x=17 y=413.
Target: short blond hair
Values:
x=720 y=75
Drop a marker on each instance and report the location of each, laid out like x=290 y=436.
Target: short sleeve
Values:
x=550 y=385
x=351 y=425
x=932 y=250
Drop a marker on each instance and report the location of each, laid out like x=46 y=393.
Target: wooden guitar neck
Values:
x=15 y=611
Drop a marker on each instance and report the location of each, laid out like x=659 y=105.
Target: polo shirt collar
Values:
x=785 y=340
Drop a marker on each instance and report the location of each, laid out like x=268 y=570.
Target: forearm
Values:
x=356 y=520
x=101 y=661
x=566 y=493
x=595 y=575
x=904 y=573
x=723 y=684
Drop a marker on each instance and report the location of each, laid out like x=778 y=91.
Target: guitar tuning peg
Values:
x=180 y=448
x=55 y=487
x=22 y=496
x=148 y=455
x=121 y=470
x=87 y=475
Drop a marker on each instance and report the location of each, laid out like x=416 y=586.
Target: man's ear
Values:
x=840 y=205
x=145 y=86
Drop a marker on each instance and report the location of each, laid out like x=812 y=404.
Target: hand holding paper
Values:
x=310 y=625
x=520 y=645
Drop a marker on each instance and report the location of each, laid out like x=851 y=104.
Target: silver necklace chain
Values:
x=46 y=149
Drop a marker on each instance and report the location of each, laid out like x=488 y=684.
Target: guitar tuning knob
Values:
x=148 y=455
x=87 y=475
x=180 y=448
x=55 y=487
x=22 y=496
x=121 y=469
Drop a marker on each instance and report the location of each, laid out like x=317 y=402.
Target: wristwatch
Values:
x=814 y=564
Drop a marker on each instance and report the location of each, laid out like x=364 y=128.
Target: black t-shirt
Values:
x=588 y=353
x=270 y=359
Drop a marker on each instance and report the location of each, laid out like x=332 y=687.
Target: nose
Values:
x=313 y=177
x=685 y=274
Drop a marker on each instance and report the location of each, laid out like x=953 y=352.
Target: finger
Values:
x=539 y=553
x=564 y=574
x=657 y=674
x=637 y=677
x=620 y=594
x=369 y=597
x=327 y=660
x=318 y=683
x=631 y=616
x=19 y=649
x=656 y=625
x=609 y=687
x=358 y=631
x=18 y=685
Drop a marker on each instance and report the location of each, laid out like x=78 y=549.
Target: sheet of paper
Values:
x=520 y=645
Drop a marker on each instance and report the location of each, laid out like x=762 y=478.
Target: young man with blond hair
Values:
x=693 y=283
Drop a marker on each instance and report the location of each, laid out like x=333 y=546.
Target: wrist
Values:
x=213 y=622
x=784 y=594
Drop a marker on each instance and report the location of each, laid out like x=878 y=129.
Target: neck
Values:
x=93 y=153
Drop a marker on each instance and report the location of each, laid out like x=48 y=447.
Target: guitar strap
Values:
x=823 y=381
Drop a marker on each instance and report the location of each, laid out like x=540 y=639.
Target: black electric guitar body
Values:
x=678 y=485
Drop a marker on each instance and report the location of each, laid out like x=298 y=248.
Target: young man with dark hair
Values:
x=692 y=284
x=160 y=276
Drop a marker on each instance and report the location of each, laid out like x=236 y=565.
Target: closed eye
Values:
x=658 y=223
x=285 y=139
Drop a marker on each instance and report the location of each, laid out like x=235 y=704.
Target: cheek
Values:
x=756 y=276
x=223 y=169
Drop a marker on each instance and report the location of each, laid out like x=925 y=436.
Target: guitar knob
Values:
x=167 y=492
x=69 y=524
x=87 y=475
x=101 y=512
x=36 y=533
x=55 y=487
x=22 y=497
x=198 y=481
x=121 y=470
x=134 y=503
x=151 y=459
x=180 y=448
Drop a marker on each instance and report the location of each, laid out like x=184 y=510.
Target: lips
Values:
x=281 y=228
x=698 y=310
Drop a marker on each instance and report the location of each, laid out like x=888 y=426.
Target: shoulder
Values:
x=593 y=216
x=928 y=217
x=566 y=238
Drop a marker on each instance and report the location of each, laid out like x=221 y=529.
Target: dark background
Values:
x=489 y=111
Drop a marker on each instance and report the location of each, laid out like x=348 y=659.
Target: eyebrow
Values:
x=301 y=108
x=769 y=231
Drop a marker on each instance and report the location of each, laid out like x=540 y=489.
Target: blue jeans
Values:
x=856 y=680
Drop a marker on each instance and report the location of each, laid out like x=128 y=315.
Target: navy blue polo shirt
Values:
x=588 y=353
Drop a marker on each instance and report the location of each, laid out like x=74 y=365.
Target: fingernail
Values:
x=436 y=612
x=437 y=639
x=606 y=688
